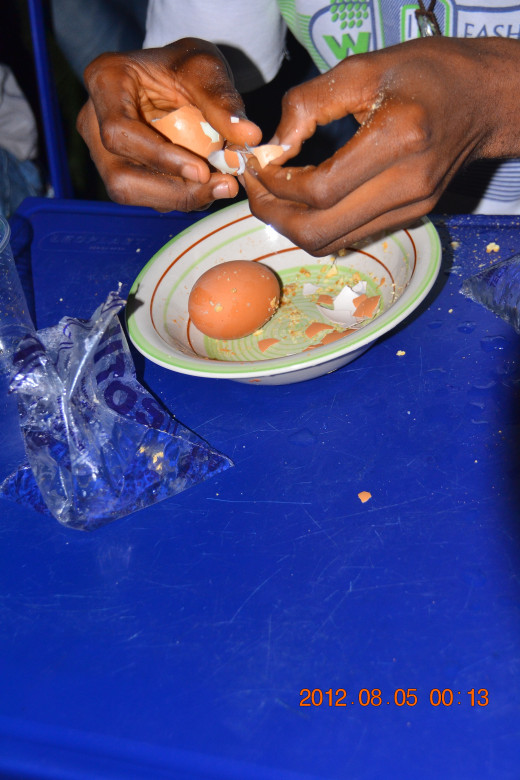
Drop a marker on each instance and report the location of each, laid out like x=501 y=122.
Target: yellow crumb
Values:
x=400 y=352
x=492 y=247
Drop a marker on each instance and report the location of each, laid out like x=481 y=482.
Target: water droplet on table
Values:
x=493 y=343
x=304 y=437
x=467 y=327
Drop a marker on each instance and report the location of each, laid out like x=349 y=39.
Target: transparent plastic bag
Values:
x=98 y=445
x=498 y=289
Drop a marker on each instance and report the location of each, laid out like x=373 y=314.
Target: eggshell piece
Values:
x=326 y=300
x=266 y=153
x=336 y=335
x=233 y=159
x=228 y=160
x=233 y=299
x=187 y=127
x=367 y=307
x=316 y=327
x=359 y=300
x=264 y=344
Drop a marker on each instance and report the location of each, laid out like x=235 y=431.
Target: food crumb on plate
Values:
x=364 y=496
x=400 y=352
x=492 y=247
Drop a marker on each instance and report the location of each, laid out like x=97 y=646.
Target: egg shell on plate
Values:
x=187 y=127
x=233 y=299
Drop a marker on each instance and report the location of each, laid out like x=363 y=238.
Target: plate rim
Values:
x=210 y=368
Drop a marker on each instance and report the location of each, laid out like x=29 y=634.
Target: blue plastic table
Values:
x=176 y=642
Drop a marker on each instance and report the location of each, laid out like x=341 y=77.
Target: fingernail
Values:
x=251 y=166
x=221 y=190
x=190 y=172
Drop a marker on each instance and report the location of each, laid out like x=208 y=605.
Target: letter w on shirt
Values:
x=341 y=49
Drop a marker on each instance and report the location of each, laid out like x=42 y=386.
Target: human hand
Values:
x=425 y=108
x=137 y=164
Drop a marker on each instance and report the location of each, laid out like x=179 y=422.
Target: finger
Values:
x=394 y=133
x=397 y=219
x=124 y=179
x=395 y=194
x=130 y=184
x=224 y=109
x=205 y=78
x=126 y=135
x=349 y=88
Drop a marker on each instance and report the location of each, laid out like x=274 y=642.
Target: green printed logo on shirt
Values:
x=333 y=30
x=341 y=29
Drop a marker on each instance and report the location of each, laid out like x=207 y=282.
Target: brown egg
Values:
x=234 y=299
x=187 y=127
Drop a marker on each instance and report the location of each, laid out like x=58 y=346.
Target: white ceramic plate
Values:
x=400 y=267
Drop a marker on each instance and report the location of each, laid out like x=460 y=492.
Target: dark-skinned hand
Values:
x=425 y=109
x=137 y=164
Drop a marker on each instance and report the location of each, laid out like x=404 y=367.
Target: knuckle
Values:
x=96 y=68
x=319 y=194
x=81 y=121
x=255 y=205
x=425 y=184
x=119 y=187
x=417 y=133
x=109 y=131
x=293 y=101
x=311 y=239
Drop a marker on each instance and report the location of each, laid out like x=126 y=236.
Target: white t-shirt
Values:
x=18 y=132
x=330 y=31
x=252 y=35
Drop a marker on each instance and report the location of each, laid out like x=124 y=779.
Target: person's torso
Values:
x=331 y=31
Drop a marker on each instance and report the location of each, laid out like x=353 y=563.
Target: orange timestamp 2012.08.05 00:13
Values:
x=400 y=697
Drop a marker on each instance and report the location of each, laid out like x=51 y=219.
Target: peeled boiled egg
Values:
x=233 y=299
x=187 y=127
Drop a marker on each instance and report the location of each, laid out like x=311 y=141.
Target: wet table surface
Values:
x=267 y=623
